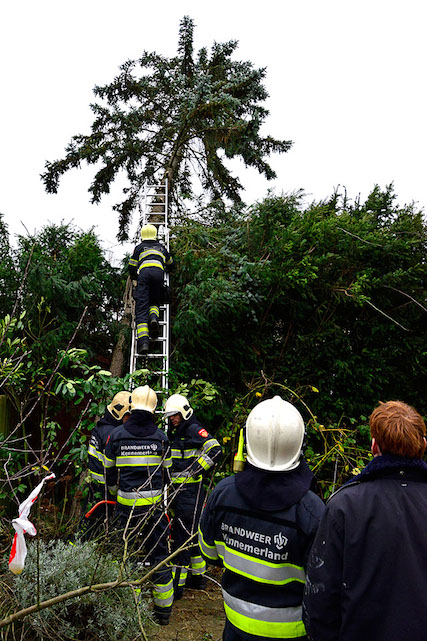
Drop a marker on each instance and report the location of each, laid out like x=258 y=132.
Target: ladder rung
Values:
x=151 y=354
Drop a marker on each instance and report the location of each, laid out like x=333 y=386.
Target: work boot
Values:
x=162 y=618
x=197 y=582
x=142 y=345
x=178 y=593
x=154 y=328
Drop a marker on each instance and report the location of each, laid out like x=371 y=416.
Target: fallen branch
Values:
x=100 y=587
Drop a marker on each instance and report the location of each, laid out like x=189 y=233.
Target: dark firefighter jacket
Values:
x=193 y=451
x=260 y=526
x=149 y=253
x=367 y=577
x=140 y=451
x=98 y=438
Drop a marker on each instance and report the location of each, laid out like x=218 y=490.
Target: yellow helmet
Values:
x=143 y=398
x=120 y=405
x=148 y=232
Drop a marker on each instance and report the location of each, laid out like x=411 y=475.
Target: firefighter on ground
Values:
x=260 y=524
x=117 y=411
x=194 y=451
x=147 y=266
x=140 y=452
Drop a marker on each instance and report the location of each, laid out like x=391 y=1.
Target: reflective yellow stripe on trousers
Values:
x=183 y=572
x=198 y=565
x=163 y=594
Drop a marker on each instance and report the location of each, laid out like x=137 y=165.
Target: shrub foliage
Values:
x=56 y=568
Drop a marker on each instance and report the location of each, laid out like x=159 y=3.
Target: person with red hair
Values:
x=366 y=577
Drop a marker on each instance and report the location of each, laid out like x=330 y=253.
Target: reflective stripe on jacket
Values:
x=277 y=623
x=193 y=452
x=139 y=498
x=149 y=253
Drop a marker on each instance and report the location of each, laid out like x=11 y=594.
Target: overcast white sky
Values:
x=346 y=80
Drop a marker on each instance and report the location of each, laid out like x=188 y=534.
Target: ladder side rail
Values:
x=152 y=195
x=165 y=376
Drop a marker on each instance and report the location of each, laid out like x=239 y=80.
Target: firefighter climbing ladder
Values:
x=155 y=212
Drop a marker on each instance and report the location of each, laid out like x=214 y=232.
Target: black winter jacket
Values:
x=260 y=526
x=140 y=451
x=367 y=575
x=98 y=438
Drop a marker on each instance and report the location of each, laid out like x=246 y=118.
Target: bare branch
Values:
x=387 y=316
x=408 y=296
x=358 y=237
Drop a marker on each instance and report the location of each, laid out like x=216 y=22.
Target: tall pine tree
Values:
x=174 y=118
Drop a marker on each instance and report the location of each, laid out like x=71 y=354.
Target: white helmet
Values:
x=148 y=232
x=178 y=404
x=143 y=398
x=274 y=435
x=120 y=405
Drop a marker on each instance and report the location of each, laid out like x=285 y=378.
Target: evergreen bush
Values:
x=107 y=616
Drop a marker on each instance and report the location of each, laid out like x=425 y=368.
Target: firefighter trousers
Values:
x=148 y=296
x=148 y=533
x=187 y=508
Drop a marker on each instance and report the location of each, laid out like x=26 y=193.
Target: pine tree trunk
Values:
x=118 y=366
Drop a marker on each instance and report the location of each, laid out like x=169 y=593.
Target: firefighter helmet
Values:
x=143 y=398
x=148 y=232
x=120 y=405
x=178 y=404
x=275 y=435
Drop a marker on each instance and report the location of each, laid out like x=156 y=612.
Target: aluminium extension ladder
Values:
x=155 y=212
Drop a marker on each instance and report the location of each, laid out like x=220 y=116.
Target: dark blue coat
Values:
x=367 y=573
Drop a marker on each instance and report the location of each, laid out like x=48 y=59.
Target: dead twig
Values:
x=358 y=237
x=387 y=316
